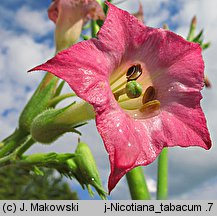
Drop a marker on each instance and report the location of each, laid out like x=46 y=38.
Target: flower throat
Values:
x=148 y=102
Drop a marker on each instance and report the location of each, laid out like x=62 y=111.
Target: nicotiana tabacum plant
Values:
x=141 y=85
x=144 y=87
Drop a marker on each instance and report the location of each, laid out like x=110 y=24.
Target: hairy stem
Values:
x=11 y=142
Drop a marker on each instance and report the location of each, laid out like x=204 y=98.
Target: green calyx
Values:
x=52 y=123
x=45 y=130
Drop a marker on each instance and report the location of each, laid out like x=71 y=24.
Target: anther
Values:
x=149 y=95
x=150 y=106
x=134 y=72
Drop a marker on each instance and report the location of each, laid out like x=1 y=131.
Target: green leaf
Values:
x=59 y=88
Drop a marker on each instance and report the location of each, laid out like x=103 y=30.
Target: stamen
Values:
x=150 y=106
x=119 y=93
x=134 y=72
x=149 y=95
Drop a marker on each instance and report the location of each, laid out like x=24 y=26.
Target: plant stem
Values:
x=11 y=142
x=17 y=153
x=23 y=148
x=162 y=183
x=94 y=28
x=137 y=184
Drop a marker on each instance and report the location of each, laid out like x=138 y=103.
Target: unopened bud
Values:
x=88 y=169
x=53 y=123
x=207 y=82
x=194 y=21
x=69 y=17
x=38 y=103
x=165 y=26
x=139 y=14
x=45 y=130
x=192 y=29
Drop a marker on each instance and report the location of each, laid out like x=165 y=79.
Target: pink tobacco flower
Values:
x=69 y=17
x=163 y=111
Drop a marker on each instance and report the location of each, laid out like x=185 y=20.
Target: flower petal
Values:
x=87 y=65
x=86 y=68
x=129 y=142
x=179 y=83
x=185 y=127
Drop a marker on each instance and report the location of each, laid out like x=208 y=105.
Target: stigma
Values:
x=134 y=95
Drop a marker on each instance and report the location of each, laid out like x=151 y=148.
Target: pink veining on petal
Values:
x=171 y=64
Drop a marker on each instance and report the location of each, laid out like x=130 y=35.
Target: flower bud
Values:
x=207 y=82
x=52 y=123
x=192 y=29
x=133 y=89
x=139 y=14
x=69 y=17
x=45 y=130
x=87 y=169
x=38 y=103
